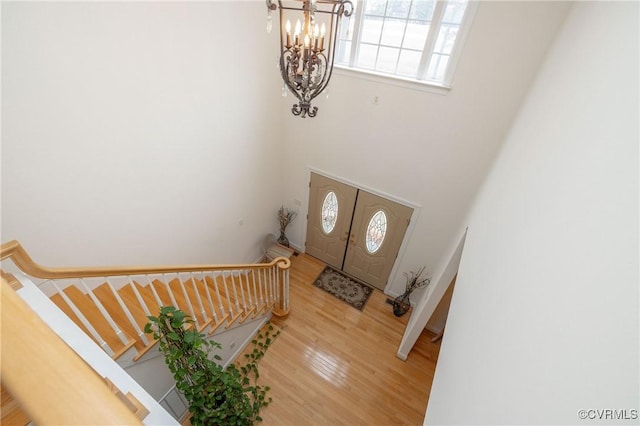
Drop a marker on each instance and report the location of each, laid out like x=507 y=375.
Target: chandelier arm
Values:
x=286 y=71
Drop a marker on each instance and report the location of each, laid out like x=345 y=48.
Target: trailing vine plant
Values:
x=216 y=396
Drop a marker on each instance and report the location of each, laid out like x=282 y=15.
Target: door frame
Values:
x=414 y=217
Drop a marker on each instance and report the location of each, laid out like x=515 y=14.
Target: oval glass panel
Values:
x=329 y=212
x=376 y=231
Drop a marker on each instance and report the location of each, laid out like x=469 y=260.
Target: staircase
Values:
x=111 y=305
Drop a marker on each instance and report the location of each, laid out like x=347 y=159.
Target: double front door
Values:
x=354 y=230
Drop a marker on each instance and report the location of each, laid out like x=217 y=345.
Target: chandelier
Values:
x=308 y=46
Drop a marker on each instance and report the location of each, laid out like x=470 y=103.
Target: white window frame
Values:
x=409 y=82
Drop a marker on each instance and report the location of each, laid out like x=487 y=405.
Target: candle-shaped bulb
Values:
x=316 y=39
x=288 y=28
x=306 y=41
x=296 y=34
x=323 y=30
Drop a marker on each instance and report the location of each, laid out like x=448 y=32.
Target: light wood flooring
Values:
x=336 y=365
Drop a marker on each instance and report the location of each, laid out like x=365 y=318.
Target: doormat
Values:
x=344 y=288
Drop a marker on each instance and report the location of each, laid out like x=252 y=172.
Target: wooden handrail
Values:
x=63 y=390
x=17 y=253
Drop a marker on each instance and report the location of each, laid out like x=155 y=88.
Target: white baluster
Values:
x=220 y=304
x=242 y=288
x=206 y=289
x=203 y=312
x=168 y=287
x=154 y=292
x=105 y=314
x=226 y=292
x=235 y=292
x=128 y=314
x=85 y=322
x=255 y=289
x=192 y=311
x=285 y=291
x=141 y=301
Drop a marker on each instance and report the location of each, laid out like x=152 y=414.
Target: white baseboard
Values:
x=297 y=248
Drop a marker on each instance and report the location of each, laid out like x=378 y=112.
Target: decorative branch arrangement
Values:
x=216 y=396
x=285 y=217
x=402 y=304
x=413 y=280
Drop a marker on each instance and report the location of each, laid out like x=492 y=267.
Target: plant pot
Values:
x=401 y=304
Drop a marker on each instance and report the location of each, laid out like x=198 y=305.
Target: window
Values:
x=411 y=39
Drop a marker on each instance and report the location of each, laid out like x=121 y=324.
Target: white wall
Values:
x=138 y=132
x=430 y=149
x=544 y=319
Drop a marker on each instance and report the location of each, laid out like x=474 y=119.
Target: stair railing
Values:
x=214 y=295
x=63 y=390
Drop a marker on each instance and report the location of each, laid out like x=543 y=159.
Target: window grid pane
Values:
x=367 y=56
x=393 y=35
x=408 y=62
x=393 y=32
x=371 y=29
x=387 y=59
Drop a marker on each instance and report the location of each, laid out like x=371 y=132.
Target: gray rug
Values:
x=344 y=288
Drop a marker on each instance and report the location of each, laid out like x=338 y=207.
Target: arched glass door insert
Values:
x=376 y=231
x=329 y=212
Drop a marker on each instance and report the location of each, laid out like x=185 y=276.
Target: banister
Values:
x=63 y=390
x=273 y=281
x=17 y=253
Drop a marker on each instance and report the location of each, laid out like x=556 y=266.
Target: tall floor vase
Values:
x=401 y=304
x=282 y=239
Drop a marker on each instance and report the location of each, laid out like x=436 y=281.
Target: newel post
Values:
x=281 y=308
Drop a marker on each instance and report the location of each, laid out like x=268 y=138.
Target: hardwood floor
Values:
x=333 y=364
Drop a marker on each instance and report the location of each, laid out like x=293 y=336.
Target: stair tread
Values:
x=148 y=298
x=108 y=299
x=229 y=297
x=188 y=302
x=91 y=312
x=131 y=301
x=64 y=307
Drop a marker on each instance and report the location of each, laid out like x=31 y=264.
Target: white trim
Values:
x=361 y=186
x=461 y=38
x=430 y=41
x=412 y=223
x=392 y=80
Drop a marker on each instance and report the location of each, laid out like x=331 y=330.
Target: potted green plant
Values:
x=216 y=396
